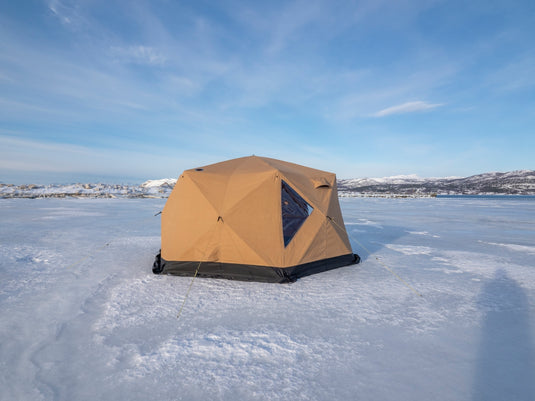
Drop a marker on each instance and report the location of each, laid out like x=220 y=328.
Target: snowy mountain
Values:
x=164 y=183
x=520 y=182
x=149 y=189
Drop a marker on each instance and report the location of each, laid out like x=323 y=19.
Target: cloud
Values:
x=31 y=155
x=65 y=11
x=139 y=55
x=290 y=23
x=408 y=107
x=516 y=75
x=39 y=156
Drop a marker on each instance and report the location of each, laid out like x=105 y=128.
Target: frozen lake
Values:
x=82 y=317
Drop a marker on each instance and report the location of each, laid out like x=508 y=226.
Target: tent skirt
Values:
x=233 y=271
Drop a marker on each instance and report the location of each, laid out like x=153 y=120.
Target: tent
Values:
x=253 y=219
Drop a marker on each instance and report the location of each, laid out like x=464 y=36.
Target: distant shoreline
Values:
x=134 y=195
x=489 y=196
x=512 y=184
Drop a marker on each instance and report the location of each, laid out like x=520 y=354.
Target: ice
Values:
x=515 y=247
x=83 y=317
x=411 y=249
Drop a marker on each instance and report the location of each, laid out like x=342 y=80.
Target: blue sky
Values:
x=131 y=90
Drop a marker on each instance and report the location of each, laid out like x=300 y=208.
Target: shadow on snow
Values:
x=367 y=240
x=505 y=364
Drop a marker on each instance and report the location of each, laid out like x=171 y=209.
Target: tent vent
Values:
x=295 y=211
x=320 y=183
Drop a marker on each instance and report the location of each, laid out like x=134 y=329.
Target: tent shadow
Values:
x=505 y=363
x=367 y=240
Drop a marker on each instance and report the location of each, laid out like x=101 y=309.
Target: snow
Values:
x=521 y=182
x=149 y=189
x=170 y=182
x=82 y=316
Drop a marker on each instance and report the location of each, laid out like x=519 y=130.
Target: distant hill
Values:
x=512 y=183
x=520 y=182
x=149 y=189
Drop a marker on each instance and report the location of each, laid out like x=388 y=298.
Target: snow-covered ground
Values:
x=149 y=189
x=83 y=318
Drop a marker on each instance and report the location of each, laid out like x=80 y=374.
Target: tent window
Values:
x=295 y=210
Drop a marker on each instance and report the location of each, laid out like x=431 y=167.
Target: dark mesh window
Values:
x=295 y=210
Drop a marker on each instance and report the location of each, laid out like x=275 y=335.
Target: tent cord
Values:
x=378 y=260
x=219 y=219
x=189 y=289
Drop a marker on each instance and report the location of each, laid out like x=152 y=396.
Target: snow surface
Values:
x=82 y=317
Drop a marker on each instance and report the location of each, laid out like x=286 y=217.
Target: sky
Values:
x=125 y=91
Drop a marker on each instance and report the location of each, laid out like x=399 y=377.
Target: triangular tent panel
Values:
x=253 y=219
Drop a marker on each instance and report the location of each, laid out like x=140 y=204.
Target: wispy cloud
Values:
x=139 y=54
x=19 y=154
x=65 y=11
x=291 y=23
x=515 y=75
x=408 y=107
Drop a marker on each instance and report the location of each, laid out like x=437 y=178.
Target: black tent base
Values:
x=266 y=274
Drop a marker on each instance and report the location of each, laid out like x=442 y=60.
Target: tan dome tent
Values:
x=253 y=219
